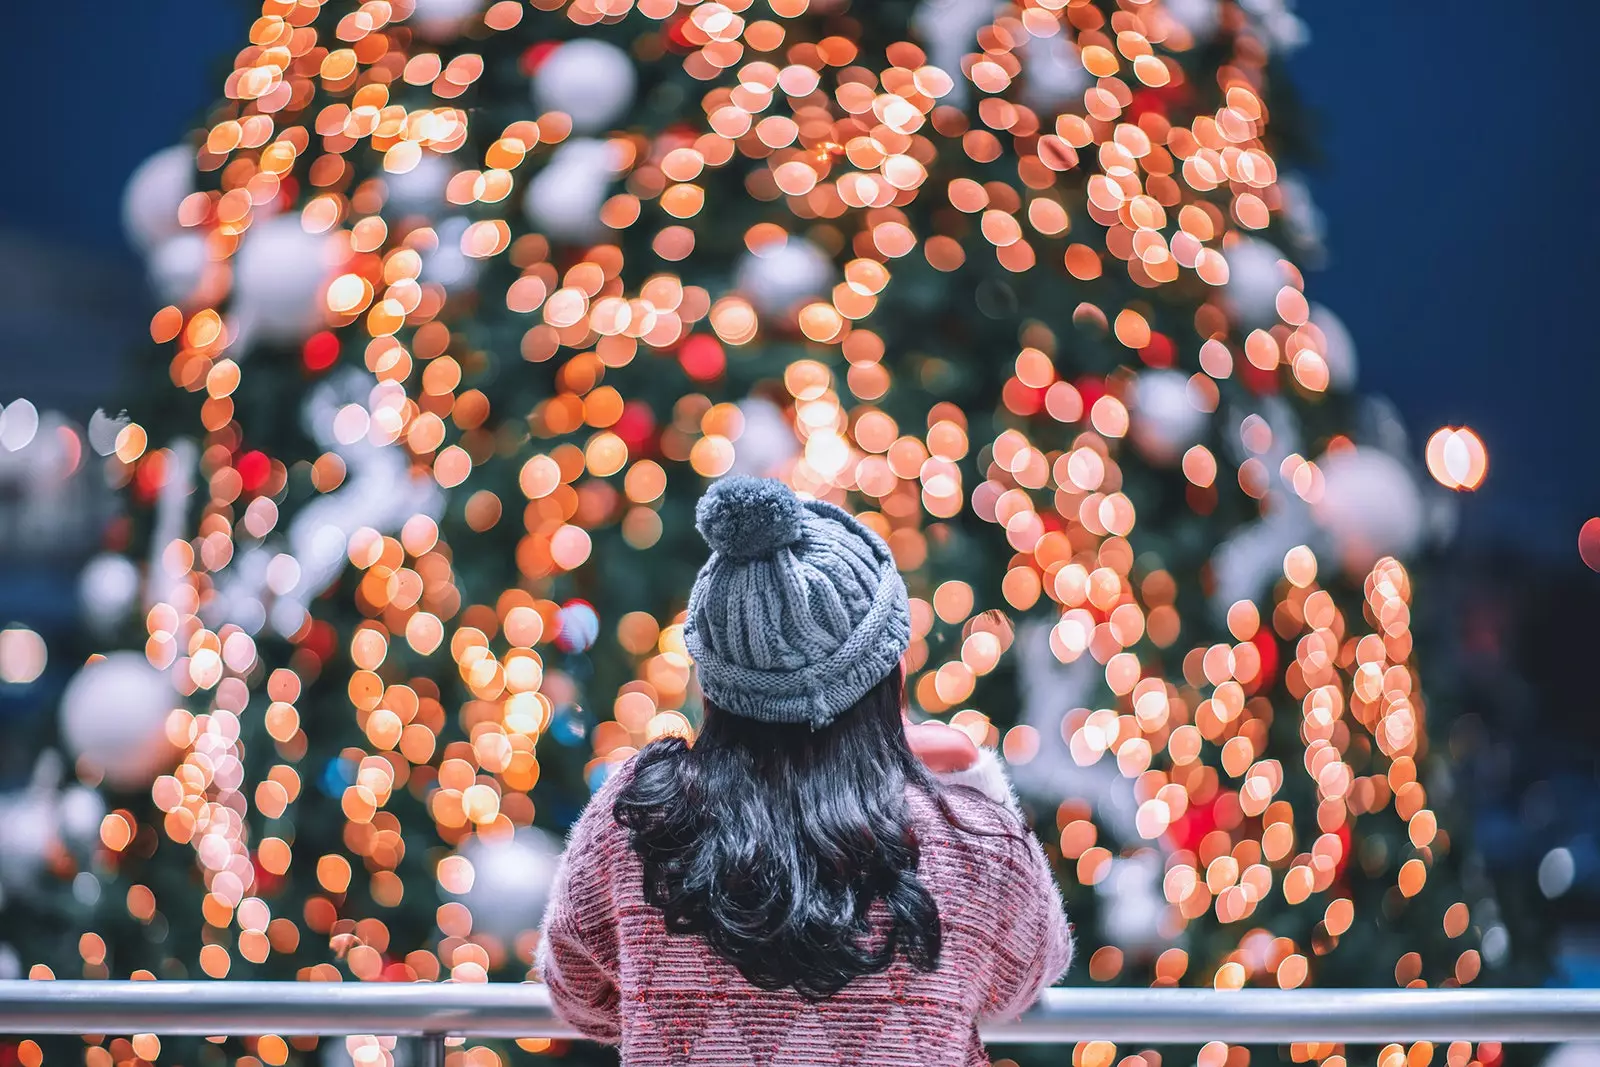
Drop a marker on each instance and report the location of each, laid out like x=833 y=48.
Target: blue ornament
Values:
x=568 y=728
x=337 y=776
x=599 y=774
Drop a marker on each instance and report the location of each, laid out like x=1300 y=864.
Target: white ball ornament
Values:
x=590 y=81
x=563 y=200
x=28 y=823
x=176 y=267
x=440 y=20
x=108 y=588
x=1277 y=24
x=1244 y=566
x=155 y=189
x=779 y=277
x=33 y=451
x=1370 y=505
x=80 y=811
x=1199 y=18
x=1339 y=348
x=446 y=264
x=279 y=275
x=949 y=30
x=1165 y=421
x=114 y=715
x=511 y=880
x=1053 y=76
x=1255 y=274
x=767 y=442
x=420 y=190
x=1134 y=903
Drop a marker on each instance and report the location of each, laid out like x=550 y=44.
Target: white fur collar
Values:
x=988 y=777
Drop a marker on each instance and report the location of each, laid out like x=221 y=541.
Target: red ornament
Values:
x=702 y=358
x=1091 y=389
x=150 y=476
x=1145 y=102
x=1343 y=834
x=1258 y=381
x=636 y=426
x=677 y=40
x=1190 y=828
x=1267 y=649
x=1176 y=93
x=321 y=351
x=267 y=883
x=534 y=55
x=1164 y=101
x=320 y=640
x=1022 y=399
x=1589 y=544
x=1160 y=352
x=288 y=193
x=253 y=468
x=678 y=135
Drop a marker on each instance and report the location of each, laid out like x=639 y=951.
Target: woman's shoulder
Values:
x=978 y=805
x=597 y=821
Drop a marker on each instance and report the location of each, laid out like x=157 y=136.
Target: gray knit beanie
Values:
x=800 y=609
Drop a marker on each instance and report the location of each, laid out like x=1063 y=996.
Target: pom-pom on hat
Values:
x=800 y=609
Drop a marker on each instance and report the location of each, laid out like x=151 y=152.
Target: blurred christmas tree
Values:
x=467 y=301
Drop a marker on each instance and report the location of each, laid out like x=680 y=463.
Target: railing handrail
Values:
x=509 y=1010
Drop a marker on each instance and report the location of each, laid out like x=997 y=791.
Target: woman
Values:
x=798 y=887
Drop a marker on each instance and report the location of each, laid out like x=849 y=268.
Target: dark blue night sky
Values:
x=1456 y=185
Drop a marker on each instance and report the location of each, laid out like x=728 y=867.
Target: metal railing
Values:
x=433 y=1012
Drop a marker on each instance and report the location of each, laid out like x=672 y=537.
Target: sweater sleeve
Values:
x=1034 y=941
x=578 y=948
x=1037 y=947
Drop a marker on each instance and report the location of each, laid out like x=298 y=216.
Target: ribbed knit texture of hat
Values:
x=800 y=609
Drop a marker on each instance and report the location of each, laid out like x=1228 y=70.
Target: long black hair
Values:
x=773 y=841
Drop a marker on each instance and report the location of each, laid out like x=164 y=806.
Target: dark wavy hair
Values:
x=773 y=841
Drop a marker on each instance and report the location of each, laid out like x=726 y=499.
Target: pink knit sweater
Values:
x=617 y=976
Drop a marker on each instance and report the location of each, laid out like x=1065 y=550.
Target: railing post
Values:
x=427 y=1050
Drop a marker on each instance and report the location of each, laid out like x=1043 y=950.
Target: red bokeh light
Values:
x=1160 y=352
x=702 y=358
x=636 y=426
x=1589 y=543
x=253 y=468
x=534 y=56
x=321 y=351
